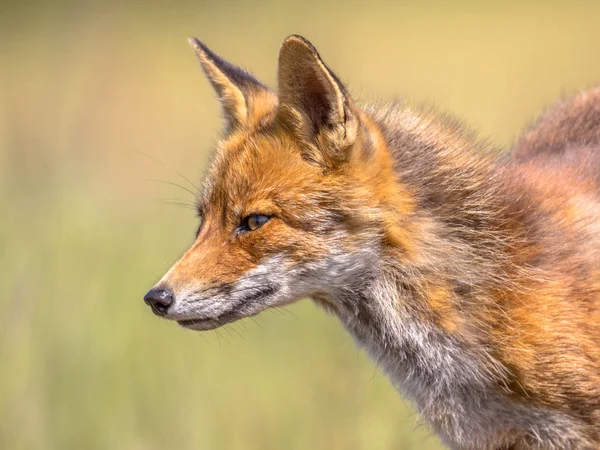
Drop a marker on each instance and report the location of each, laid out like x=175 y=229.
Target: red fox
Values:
x=472 y=278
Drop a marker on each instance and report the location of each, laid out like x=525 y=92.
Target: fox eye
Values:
x=253 y=222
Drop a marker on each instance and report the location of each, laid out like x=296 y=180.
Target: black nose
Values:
x=159 y=300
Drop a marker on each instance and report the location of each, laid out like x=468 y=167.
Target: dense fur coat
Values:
x=472 y=278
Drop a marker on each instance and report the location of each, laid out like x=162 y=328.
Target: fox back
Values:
x=472 y=278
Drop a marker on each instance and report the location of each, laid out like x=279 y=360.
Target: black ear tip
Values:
x=195 y=43
x=296 y=37
x=295 y=40
x=203 y=51
x=200 y=47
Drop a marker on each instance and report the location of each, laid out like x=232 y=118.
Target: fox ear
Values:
x=245 y=100
x=314 y=97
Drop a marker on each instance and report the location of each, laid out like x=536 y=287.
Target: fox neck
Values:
x=414 y=308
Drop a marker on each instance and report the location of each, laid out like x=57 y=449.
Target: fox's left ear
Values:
x=313 y=99
x=245 y=101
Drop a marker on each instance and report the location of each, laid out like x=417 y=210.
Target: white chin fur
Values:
x=201 y=324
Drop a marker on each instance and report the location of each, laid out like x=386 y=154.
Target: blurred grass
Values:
x=86 y=86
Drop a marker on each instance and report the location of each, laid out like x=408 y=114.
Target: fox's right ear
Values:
x=245 y=101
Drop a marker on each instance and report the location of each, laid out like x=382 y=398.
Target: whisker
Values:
x=274 y=310
x=196 y=188
x=228 y=329
x=166 y=200
x=257 y=323
x=234 y=328
x=195 y=194
x=203 y=338
x=224 y=338
x=175 y=203
x=287 y=311
x=218 y=337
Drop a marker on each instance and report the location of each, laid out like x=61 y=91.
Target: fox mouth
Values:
x=202 y=324
x=233 y=314
x=209 y=323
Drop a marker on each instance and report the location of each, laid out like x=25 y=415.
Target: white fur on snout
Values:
x=202 y=303
x=282 y=280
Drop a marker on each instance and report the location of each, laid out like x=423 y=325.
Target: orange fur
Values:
x=425 y=244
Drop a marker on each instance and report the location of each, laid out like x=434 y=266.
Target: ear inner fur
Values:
x=315 y=101
x=244 y=99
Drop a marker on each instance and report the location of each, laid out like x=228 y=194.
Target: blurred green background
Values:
x=100 y=99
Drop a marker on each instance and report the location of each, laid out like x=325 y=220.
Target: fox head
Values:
x=297 y=202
